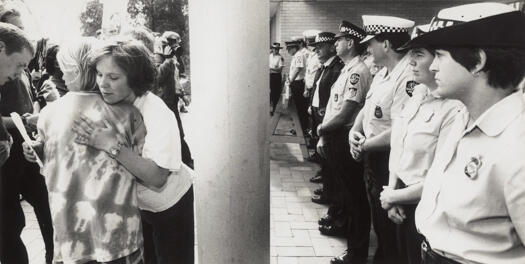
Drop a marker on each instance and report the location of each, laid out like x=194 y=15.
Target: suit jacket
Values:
x=331 y=73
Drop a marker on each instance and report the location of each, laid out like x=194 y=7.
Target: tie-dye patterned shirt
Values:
x=93 y=199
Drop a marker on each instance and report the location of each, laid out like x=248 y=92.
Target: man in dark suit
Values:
x=324 y=78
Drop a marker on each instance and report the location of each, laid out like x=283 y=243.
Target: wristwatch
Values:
x=114 y=151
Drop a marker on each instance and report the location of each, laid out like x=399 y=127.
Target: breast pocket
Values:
x=423 y=132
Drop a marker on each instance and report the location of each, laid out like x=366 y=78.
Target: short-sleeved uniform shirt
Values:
x=312 y=66
x=472 y=206
x=351 y=85
x=386 y=98
x=162 y=146
x=93 y=199
x=420 y=131
x=298 y=61
x=276 y=61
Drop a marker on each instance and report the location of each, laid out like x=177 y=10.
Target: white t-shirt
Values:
x=162 y=146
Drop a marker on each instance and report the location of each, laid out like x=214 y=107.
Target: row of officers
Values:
x=428 y=150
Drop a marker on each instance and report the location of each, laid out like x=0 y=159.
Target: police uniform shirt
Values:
x=352 y=85
x=419 y=133
x=312 y=66
x=298 y=61
x=276 y=61
x=315 y=98
x=473 y=204
x=386 y=98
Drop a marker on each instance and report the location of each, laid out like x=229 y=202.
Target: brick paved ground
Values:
x=32 y=237
x=295 y=237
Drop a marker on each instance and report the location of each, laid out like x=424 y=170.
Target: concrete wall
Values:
x=229 y=59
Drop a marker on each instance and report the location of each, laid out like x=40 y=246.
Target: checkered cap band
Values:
x=351 y=31
x=438 y=23
x=323 y=39
x=376 y=29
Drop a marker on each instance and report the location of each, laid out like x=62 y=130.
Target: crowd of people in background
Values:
x=115 y=184
x=419 y=133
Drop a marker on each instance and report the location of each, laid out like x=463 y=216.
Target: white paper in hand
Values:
x=22 y=129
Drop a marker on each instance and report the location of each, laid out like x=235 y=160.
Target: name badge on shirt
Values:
x=378 y=112
x=472 y=167
x=410 y=87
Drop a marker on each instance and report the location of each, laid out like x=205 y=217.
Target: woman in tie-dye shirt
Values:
x=93 y=198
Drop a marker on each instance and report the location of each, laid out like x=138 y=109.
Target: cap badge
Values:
x=472 y=167
x=378 y=112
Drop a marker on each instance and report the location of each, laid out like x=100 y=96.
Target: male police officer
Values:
x=388 y=93
x=323 y=80
x=472 y=206
x=347 y=96
x=296 y=79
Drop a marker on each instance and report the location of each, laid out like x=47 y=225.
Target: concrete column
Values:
x=229 y=74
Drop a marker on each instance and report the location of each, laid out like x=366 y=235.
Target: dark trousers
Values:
x=348 y=177
x=31 y=185
x=430 y=257
x=408 y=239
x=297 y=88
x=376 y=176
x=12 y=221
x=275 y=89
x=169 y=235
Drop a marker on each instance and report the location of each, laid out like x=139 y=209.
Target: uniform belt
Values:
x=319 y=111
x=430 y=256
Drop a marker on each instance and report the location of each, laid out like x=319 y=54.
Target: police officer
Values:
x=347 y=96
x=323 y=80
x=418 y=134
x=276 y=67
x=472 y=205
x=371 y=133
x=296 y=79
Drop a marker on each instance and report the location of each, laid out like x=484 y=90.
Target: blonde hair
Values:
x=73 y=57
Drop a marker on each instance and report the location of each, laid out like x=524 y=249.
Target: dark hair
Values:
x=504 y=66
x=133 y=58
x=51 y=63
x=15 y=40
x=396 y=39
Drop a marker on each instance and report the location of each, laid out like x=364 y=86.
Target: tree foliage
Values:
x=91 y=18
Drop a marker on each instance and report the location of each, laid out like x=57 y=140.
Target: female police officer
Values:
x=471 y=209
x=416 y=136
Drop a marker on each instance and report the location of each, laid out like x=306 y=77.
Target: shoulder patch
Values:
x=353 y=92
x=354 y=78
x=410 y=87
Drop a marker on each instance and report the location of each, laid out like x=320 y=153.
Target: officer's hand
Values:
x=310 y=110
x=29 y=154
x=321 y=147
x=355 y=138
x=387 y=197
x=306 y=93
x=397 y=214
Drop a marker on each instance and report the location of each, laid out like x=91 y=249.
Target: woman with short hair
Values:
x=125 y=73
x=92 y=197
